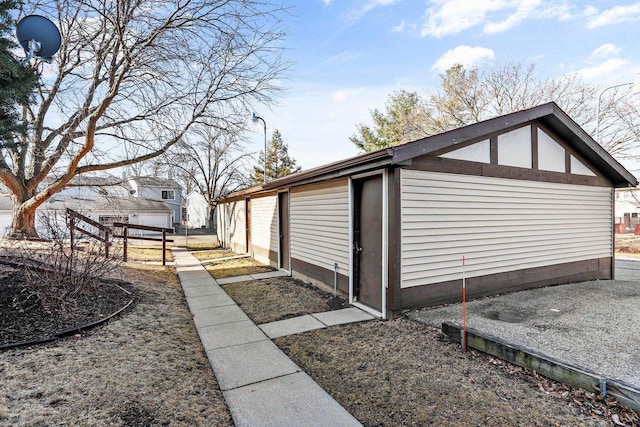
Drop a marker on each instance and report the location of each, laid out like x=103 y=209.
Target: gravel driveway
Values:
x=592 y=325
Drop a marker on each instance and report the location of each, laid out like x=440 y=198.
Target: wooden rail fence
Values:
x=74 y=218
x=125 y=236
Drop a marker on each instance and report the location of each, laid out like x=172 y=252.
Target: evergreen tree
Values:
x=17 y=82
x=402 y=122
x=279 y=163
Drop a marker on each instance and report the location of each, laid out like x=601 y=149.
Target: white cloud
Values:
x=400 y=27
x=525 y=9
x=355 y=14
x=602 y=71
x=607 y=49
x=616 y=15
x=327 y=2
x=454 y=16
x=342 y=57
x=451 y=17
x=465 y=55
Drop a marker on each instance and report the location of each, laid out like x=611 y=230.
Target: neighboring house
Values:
x=106 y=185
x=525 y=199
x=6 y=215
x=139 y=200
x=161 y=189
x=106 y=211
x=197 y=209
x=627 y=207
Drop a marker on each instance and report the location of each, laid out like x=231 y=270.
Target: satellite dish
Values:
x=39 y=37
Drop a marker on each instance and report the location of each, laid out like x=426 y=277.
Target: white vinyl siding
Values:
x=319 y=227
x=236 y=225
x=162 y=220
x=498 y=225
x=264 y=225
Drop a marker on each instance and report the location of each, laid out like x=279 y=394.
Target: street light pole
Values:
x=635 y=87
x=255 y=118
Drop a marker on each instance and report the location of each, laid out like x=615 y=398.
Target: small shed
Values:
x=525 y=199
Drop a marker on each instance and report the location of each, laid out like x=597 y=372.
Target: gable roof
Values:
x=549 y=114
x=154 y=181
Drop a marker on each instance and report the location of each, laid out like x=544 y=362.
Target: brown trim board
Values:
x=320 y=274
x=462 y=167
x=511 y=281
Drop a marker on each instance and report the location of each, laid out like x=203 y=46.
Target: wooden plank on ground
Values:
x=545 y=365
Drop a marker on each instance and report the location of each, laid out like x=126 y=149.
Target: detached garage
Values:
x=526 y=199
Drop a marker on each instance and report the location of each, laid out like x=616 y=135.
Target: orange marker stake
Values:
x=464 y=308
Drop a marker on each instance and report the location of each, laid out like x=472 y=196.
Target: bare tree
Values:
x=467 y=96
x=210 y=160
x=131 y=78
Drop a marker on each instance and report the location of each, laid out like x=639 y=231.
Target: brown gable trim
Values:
x=462 y=167
x=319 y=185
x=548 y=114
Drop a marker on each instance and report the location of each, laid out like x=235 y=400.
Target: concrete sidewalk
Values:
x=261 y=385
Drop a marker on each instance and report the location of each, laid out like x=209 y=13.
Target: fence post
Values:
x=164 y=247
x=125 y=232
x=71 y=227
x=107 y=243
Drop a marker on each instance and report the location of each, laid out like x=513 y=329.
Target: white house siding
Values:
x=264 y=227
x=235 y=226
x=498 y=225
x=319 y=227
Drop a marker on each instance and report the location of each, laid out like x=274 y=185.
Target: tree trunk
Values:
x=23 y=225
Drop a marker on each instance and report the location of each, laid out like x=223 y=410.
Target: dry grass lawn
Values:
x=146 y=253
x=237 y=267
x=143 y=368
x=628 y=244
x=399 y=372
x=269 y=300
x=213 y=254
x=402 y=373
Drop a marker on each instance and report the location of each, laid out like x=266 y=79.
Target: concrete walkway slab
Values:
x=194 y=275
x=218 y=315
x=234 y=279
x=209 y=301
x=344 y=316
x=270 y=274
x=190 y=282
x=229 y=334
x=261 y=385
x=293 y=400
x=292 y=326
x=245 y=364
x=201 y=291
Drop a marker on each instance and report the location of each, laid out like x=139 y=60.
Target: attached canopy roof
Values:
x=548 y=114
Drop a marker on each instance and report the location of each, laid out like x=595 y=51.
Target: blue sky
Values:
x=348 y=55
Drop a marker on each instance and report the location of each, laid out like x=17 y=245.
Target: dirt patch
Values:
x=24 y=318
x=146 y=367
x=269 y=300
x=399 y=372
x=237 y=267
